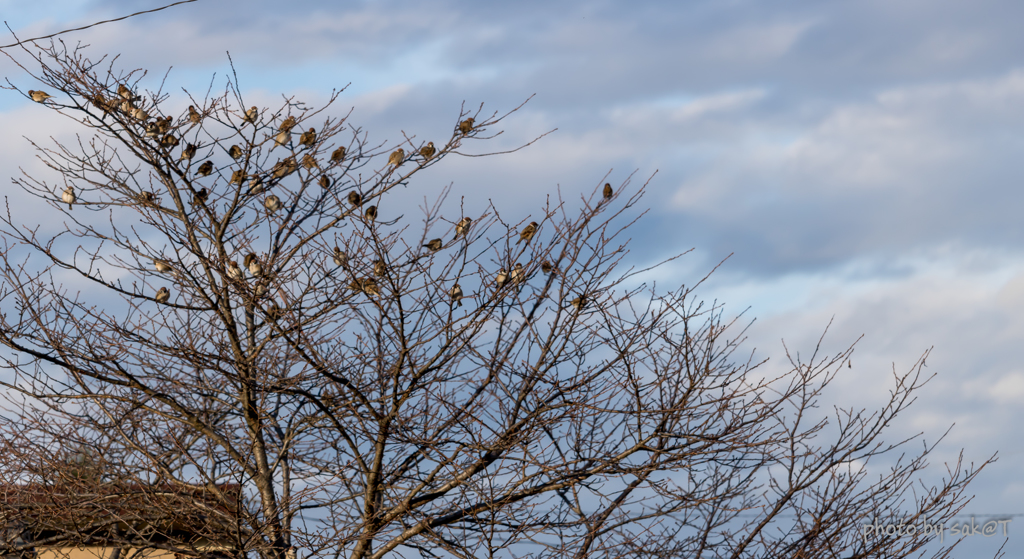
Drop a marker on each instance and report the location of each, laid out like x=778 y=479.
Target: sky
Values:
x=859 y=161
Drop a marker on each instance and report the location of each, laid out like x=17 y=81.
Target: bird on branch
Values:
x=69 y=196
x=39 y=96
x=462 y=227
x=162 y=295
x=272 y=203
x=434 y=245
x=428 y=151
x=528 y=232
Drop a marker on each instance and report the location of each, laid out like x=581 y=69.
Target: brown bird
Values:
x=325 y=181
x=308 y=138
x=251 y=115
x=501 y=279
x=189 y=152
x=235 y=152
x=100 y=102
x=126 y=107
x=234 y=272
x=371 y=213
x=380 y=268
x=164 y=126
x=273 y=311
x=272 y=203
x=428 y=151
x=528 y=232
x=369 y=286
x=608 y=191
x=152 y=130
x=282 y=138
x=194 y=115
x=123 y=91
x=456 y=294
x=147 y=197
x=284 y=168
x=466 y=126
x=201 y=196
x=517 y=275
x=38 y=96
x=546 y=267
x=162 y=266
x=163 y=295
x=397 y=157
x=169 y=141
x=238 y=177
x=355 y=199
x=309 y=162
x=255 y=185
x=340 y=258
x=338 y=155
x=434 y=245
x=252 y=263
x=68 y=196
x=462 y=227
x=205 y=169
x=288 y=124
x=139 y=114
x=356 y=284
x=579 y=302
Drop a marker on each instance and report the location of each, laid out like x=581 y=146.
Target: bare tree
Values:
x=256 y=346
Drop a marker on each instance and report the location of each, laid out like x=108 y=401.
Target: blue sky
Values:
x=860 y=160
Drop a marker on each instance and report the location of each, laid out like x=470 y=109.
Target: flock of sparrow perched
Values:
x=160 y=130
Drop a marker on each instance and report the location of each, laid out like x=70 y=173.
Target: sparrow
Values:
x=428 y=151
x=546 y=267
x=252 y=262
x=397 y=157
x=189 y=152
x=234 y=272
x=282 y=138
x=127 y=107
x=338 y=155
x=356 y=284
x=325 y=181
x=273 y=311
x=284 y=168
x=237 y=177
x=123 y=91
x=194 y=115
x=261 y=290
x=201 y=196
x=152 y=130
x=528 y=232
x=255 y=185
x=462 y=227
x=251 y=115
x=100 y=102
x=308 y=138
x=466 y=126
x=164 y=126
x=371 y=213
x=501 y=279
x=235 y=152
x=456 y=294
x=434 y=245
x=38 y=96
x=309 y=162
x=205 y=169
x=162 y=266
x=147 y=197
x=68 y=196
x=163 y=295
x=517 y=275
x=369 y=286
x=579 y=302
x=340 y=258
x=139 y=114
x=608 y=191
x=380 y=268
x=169 y=141
x=272 y=203
x=355 y=199
x=288 y=124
